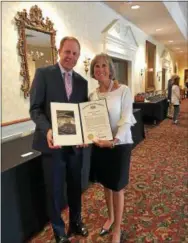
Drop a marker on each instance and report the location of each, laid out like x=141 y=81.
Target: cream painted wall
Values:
x=85 y=21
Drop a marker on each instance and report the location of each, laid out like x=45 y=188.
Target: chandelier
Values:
x=35 y=55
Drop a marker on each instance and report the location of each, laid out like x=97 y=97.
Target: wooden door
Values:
x=163 y=78
x=185 y=74
x=151 y=63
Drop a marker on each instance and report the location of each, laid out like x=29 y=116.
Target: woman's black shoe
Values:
x=121 y=237
x=105 y=231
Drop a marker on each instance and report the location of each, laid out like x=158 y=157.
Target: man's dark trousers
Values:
x=63 y=165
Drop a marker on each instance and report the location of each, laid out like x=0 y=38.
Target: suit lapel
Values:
x=61 y=83
x=75 y=86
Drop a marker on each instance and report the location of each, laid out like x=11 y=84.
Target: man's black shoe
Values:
x=62 y=239
x=78 y=229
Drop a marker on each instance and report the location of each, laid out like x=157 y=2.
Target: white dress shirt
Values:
x=63 y=71
x=120 y=107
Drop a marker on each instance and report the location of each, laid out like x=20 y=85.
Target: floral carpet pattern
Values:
x=156 y=199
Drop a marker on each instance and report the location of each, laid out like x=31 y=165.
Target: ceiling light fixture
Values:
x=135 y=7
x=170 y=41
x=159 y=29
x=177 y=48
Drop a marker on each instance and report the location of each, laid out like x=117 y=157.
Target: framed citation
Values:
x=75 y=124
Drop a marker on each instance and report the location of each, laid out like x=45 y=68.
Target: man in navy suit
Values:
x=60 y=164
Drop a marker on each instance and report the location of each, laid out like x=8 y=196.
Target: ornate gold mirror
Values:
x=36 y=44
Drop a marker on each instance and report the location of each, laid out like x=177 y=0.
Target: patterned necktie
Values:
x=68 y=84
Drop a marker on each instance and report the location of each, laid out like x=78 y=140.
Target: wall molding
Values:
x=166 y=60
x=119 y=40
x=15 y=122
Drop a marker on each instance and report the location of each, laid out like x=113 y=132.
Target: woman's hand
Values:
x=103 y=143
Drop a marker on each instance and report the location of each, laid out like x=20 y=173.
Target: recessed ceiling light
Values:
x=181 y=51
x=159 y=29
x=170 y=41
x=177 y=48
x=135 y=7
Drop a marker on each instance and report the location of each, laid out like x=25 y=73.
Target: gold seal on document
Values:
x=90 y=136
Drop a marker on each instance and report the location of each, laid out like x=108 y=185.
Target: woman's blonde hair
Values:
x=176 y=80
x=108 y=61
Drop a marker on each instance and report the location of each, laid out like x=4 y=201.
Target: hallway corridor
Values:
x=155 y=199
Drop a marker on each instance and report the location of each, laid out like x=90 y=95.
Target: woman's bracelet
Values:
x=113 y=144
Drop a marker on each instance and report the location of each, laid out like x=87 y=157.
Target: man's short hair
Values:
x=69 y=38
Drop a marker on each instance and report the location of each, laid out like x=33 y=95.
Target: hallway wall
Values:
x=86 y=21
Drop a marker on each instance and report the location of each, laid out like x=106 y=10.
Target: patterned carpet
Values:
x=155 y=200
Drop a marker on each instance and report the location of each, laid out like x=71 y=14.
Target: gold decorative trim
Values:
x=15 y=122
x=35 y=21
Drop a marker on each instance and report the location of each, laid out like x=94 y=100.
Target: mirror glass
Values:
x=36 y=44
x=38 y=50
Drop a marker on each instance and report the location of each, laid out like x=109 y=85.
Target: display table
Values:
x=138 y=133
x=23 y=192
x=23 y=204
x=153 y=111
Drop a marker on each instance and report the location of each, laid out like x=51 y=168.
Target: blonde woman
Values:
x=110 y=160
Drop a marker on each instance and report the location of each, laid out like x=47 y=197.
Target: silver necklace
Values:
x=103 y=95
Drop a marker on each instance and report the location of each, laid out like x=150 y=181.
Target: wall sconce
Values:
x=86 y=64
x=159 y=75
x=170 y=70
x=142 y=72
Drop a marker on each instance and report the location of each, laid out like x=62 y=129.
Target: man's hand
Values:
x=50 y=141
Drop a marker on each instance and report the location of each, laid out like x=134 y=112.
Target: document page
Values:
x=95 y=121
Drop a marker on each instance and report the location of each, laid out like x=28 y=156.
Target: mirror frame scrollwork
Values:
x=34 y=21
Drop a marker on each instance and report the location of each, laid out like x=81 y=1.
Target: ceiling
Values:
x=184 y=8
x=151 y=16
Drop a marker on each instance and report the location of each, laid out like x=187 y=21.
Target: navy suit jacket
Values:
x=48 y=86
